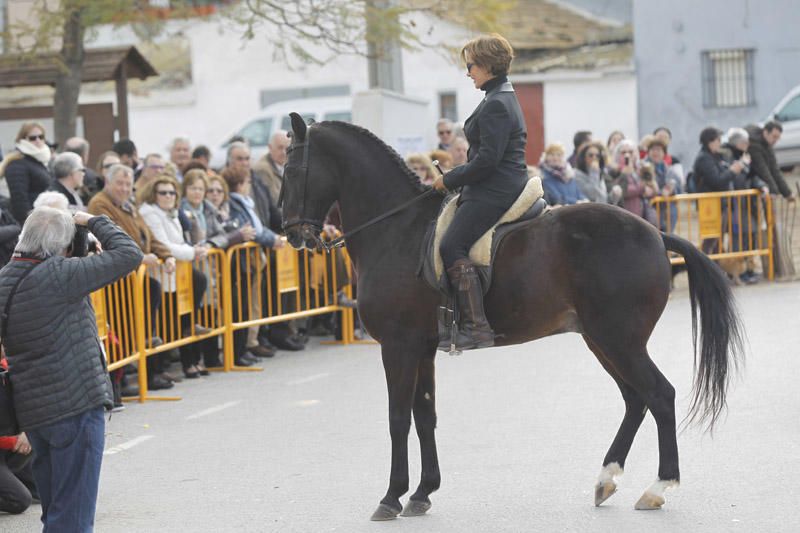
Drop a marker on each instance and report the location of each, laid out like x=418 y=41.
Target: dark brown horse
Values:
x=592 y=269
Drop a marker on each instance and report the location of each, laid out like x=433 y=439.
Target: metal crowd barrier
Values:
x=725 y=225
x=270 y=286
x=114 y=308
x=150 y=304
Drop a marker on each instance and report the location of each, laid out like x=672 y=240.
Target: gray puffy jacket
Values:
x=54 y=356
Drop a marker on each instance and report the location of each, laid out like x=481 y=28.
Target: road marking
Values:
x=212 y=410
x=127 y=445
x=308 y=379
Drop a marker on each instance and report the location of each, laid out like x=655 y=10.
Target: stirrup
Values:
x=448 y=331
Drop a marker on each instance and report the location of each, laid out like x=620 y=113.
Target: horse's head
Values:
x=308 y=189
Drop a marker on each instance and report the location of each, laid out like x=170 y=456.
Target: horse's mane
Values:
x=378 y=142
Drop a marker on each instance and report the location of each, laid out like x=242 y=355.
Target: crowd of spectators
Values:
x=630 y=174
x=176 y=209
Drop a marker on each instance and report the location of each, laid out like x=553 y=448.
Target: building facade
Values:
x=721 y=62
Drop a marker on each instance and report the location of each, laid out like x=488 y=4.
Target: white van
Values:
x=787 y=112
x=258 y=129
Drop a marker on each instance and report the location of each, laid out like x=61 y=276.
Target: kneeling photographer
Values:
x=56 y=364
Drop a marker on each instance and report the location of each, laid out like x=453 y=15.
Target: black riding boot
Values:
x=473 y=329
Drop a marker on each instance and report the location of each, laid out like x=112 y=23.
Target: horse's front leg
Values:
x=400 y=366
x=425 y=422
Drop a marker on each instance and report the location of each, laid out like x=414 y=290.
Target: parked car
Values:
x=787 y=112
x=259 y=129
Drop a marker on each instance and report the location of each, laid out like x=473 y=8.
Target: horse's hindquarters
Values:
x=579 y=269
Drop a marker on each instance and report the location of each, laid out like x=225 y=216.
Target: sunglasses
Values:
x=33 y=138
x=215 y=191
x=469 y=67
x=166 y=193
x=442 y=132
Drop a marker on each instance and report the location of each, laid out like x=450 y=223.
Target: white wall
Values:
x=600 y=105
x=228 y=76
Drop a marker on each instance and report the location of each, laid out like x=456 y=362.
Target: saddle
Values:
x=528 y=205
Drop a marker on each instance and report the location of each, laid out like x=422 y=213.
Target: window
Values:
x=342 y=116
x=257 y=132
x=447 y=106
x=271 y=96
x=728 y=78
x=789 y=112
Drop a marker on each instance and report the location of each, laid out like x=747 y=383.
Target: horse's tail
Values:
x=720 y=331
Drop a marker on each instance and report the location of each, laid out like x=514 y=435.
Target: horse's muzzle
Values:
x=304 y=235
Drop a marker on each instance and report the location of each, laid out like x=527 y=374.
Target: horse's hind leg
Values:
x=636 y=369
x=425 y=422
x=400 y=366
x=635 y=409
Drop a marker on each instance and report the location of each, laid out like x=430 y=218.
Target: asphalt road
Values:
x=303 y=446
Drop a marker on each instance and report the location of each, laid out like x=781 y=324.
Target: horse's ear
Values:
x=298 y=127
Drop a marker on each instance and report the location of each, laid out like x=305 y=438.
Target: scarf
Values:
x=250 y=206
x=559 y=172
x=42 y=154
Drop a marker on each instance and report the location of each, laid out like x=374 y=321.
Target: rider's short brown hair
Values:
x=492 y=52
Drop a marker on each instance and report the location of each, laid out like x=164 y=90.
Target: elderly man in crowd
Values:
x=281 y=335
x=69 y=172
x=458 y=151
x=180 y=152
x=114 y=201
x=269 y=169
x=238 y=161
x=444 y=130
x=92 y=181
x=57 y=363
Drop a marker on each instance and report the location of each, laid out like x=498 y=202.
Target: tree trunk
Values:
x=68 y=79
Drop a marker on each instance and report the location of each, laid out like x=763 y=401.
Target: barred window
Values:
x=728 y=78
x=447 y=106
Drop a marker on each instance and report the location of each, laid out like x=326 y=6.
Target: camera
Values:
x=80 y=243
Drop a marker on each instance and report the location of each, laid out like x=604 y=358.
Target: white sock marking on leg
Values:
x=609 y=472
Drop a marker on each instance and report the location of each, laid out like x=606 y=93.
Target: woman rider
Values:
x=490 y=181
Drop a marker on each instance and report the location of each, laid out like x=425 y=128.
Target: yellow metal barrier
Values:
x=151 y=305
x=725 y=225
x=170 y=311
x=290 y=285
x=114 y=307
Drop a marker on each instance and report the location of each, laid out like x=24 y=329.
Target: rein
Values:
x=339 y=241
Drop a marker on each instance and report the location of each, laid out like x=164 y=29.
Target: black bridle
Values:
x=316 y=224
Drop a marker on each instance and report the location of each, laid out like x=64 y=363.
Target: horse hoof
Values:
x=384 y=512
x=649 y=502
x=415 y=508
x=603 y=491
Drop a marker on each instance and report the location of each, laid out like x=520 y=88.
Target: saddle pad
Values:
x=481 y=251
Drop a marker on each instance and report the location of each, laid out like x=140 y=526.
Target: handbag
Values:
x=8 y=416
